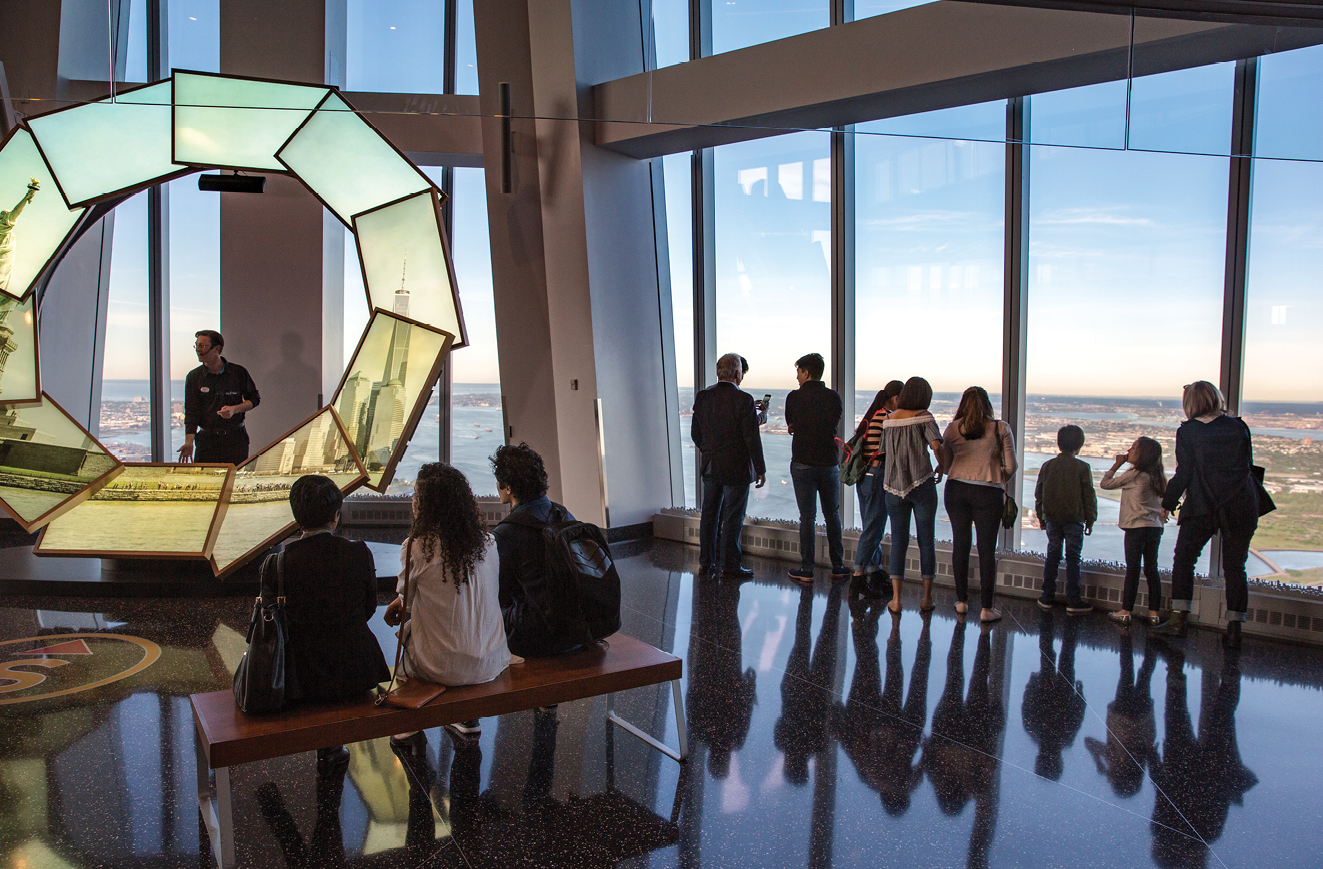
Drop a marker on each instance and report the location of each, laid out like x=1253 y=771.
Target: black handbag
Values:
x=1266 y=504
x=261 y=677
x=1010 y=511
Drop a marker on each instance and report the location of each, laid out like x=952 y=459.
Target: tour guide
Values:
x=216 y=395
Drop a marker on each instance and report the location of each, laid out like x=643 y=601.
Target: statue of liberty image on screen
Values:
x=8 y=242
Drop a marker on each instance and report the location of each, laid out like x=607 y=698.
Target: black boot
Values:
x=1231 y=639
x=1174 y=626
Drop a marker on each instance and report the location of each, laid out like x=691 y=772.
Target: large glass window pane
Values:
x=670 y=31
x=1290 y=105
x=869 y=8
x=194 y=34
x=678 y=169
x=396 y=46
x=1283 y=389
x=1125 y=304
x=1186 y=111
x=929 y=215
x=477 y=426
x=773 y=240
x=466 y=50
x=194 y=284
x=740 y=23
x=125 y=394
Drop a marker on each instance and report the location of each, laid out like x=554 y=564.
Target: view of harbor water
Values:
x=1288 y=442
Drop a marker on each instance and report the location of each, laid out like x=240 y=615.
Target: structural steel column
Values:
x=704 y=213
x=842 y=288
x=1239 y=193
x=158 y=259
x=1015 y=303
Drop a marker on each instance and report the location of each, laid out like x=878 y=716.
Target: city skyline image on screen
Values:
x=387 y=385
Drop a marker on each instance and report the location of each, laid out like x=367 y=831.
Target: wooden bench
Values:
x=226 y=737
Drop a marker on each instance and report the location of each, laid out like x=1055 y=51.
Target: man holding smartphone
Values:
x=813 y=413
x=725 y=430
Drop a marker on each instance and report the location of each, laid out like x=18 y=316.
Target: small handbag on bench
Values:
x=403 y=691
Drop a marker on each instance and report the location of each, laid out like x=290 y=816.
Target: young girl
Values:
x=1142 y=518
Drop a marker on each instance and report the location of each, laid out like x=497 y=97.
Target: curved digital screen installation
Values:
x=54 y=475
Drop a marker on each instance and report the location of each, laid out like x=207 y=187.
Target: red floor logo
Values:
x=36 y=668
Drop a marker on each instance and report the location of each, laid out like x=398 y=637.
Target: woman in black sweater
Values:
x=1213 y=458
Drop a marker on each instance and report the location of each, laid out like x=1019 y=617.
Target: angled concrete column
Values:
x=574 y=259
x=281 y=283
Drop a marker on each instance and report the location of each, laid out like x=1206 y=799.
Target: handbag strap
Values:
x=399 y=635
x=1001 y=452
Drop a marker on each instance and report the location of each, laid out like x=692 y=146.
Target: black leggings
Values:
x=981 y=507
x=1141 y=544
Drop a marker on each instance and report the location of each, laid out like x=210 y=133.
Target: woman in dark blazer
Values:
x=1213 y=458
x=330 y=593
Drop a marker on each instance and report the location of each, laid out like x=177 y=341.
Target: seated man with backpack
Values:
x=558 y=587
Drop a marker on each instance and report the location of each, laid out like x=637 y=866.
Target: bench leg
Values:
x=678 y=705
x=216 y=812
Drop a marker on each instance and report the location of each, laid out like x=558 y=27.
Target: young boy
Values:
x=1067 y=507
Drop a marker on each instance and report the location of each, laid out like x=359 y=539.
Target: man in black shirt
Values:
x=216 y=395
x=813 y=413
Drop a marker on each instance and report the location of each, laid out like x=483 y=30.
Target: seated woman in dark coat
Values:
x=330 y=593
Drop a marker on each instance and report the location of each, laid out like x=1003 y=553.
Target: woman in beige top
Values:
x=978 y=451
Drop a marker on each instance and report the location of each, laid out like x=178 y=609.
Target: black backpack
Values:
x=582 y=585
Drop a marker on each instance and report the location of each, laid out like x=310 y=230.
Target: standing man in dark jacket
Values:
x=529 y=612
x=813 y=414
x=725 y=430
x=217 y=394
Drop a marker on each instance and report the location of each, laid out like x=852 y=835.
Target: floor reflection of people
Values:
x=1131 y=728
x=880 y=728
x=720 y=698
x=326 y=848
x=1197 y=777
x=1053 y=707
x=961 y=755
x=801 y=731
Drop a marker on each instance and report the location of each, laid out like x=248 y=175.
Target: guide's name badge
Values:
x=206 y=389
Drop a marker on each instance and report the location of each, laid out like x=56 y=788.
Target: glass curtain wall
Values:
x=678 y=172
x=1126 y=259
x=475 y=404
x=396 y=46
x=751 y=22
x=193 y=43
x=773 y=249
x=1283 y=383
x=125 y=395
x=929 y=214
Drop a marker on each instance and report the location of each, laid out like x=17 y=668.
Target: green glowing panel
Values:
x=401 y=245
x=259 y=513
x=103 y=148
x=156 y=510
x=347 y=164
x=34 y=220
x=48 y=463
x=386 y=386
x=20 y=373
x=237 y=123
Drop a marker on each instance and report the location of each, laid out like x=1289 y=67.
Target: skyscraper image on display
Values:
x=374 y=411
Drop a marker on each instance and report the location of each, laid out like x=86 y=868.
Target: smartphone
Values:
x=767 y=399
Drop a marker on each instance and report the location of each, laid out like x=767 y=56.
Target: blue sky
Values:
x=1127 y=247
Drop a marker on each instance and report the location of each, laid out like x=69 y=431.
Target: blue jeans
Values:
x=1071 y=534
x=873 y=519
x=720 y=524
x=922 y=502
x=811 y=485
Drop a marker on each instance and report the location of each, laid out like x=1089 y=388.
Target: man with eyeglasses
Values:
x=217 y=394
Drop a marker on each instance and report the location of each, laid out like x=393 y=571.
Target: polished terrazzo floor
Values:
x=824 y=732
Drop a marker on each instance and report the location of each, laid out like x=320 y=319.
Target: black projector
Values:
x=232 y=183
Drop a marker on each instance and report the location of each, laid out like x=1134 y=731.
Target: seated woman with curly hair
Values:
x=454 y=634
